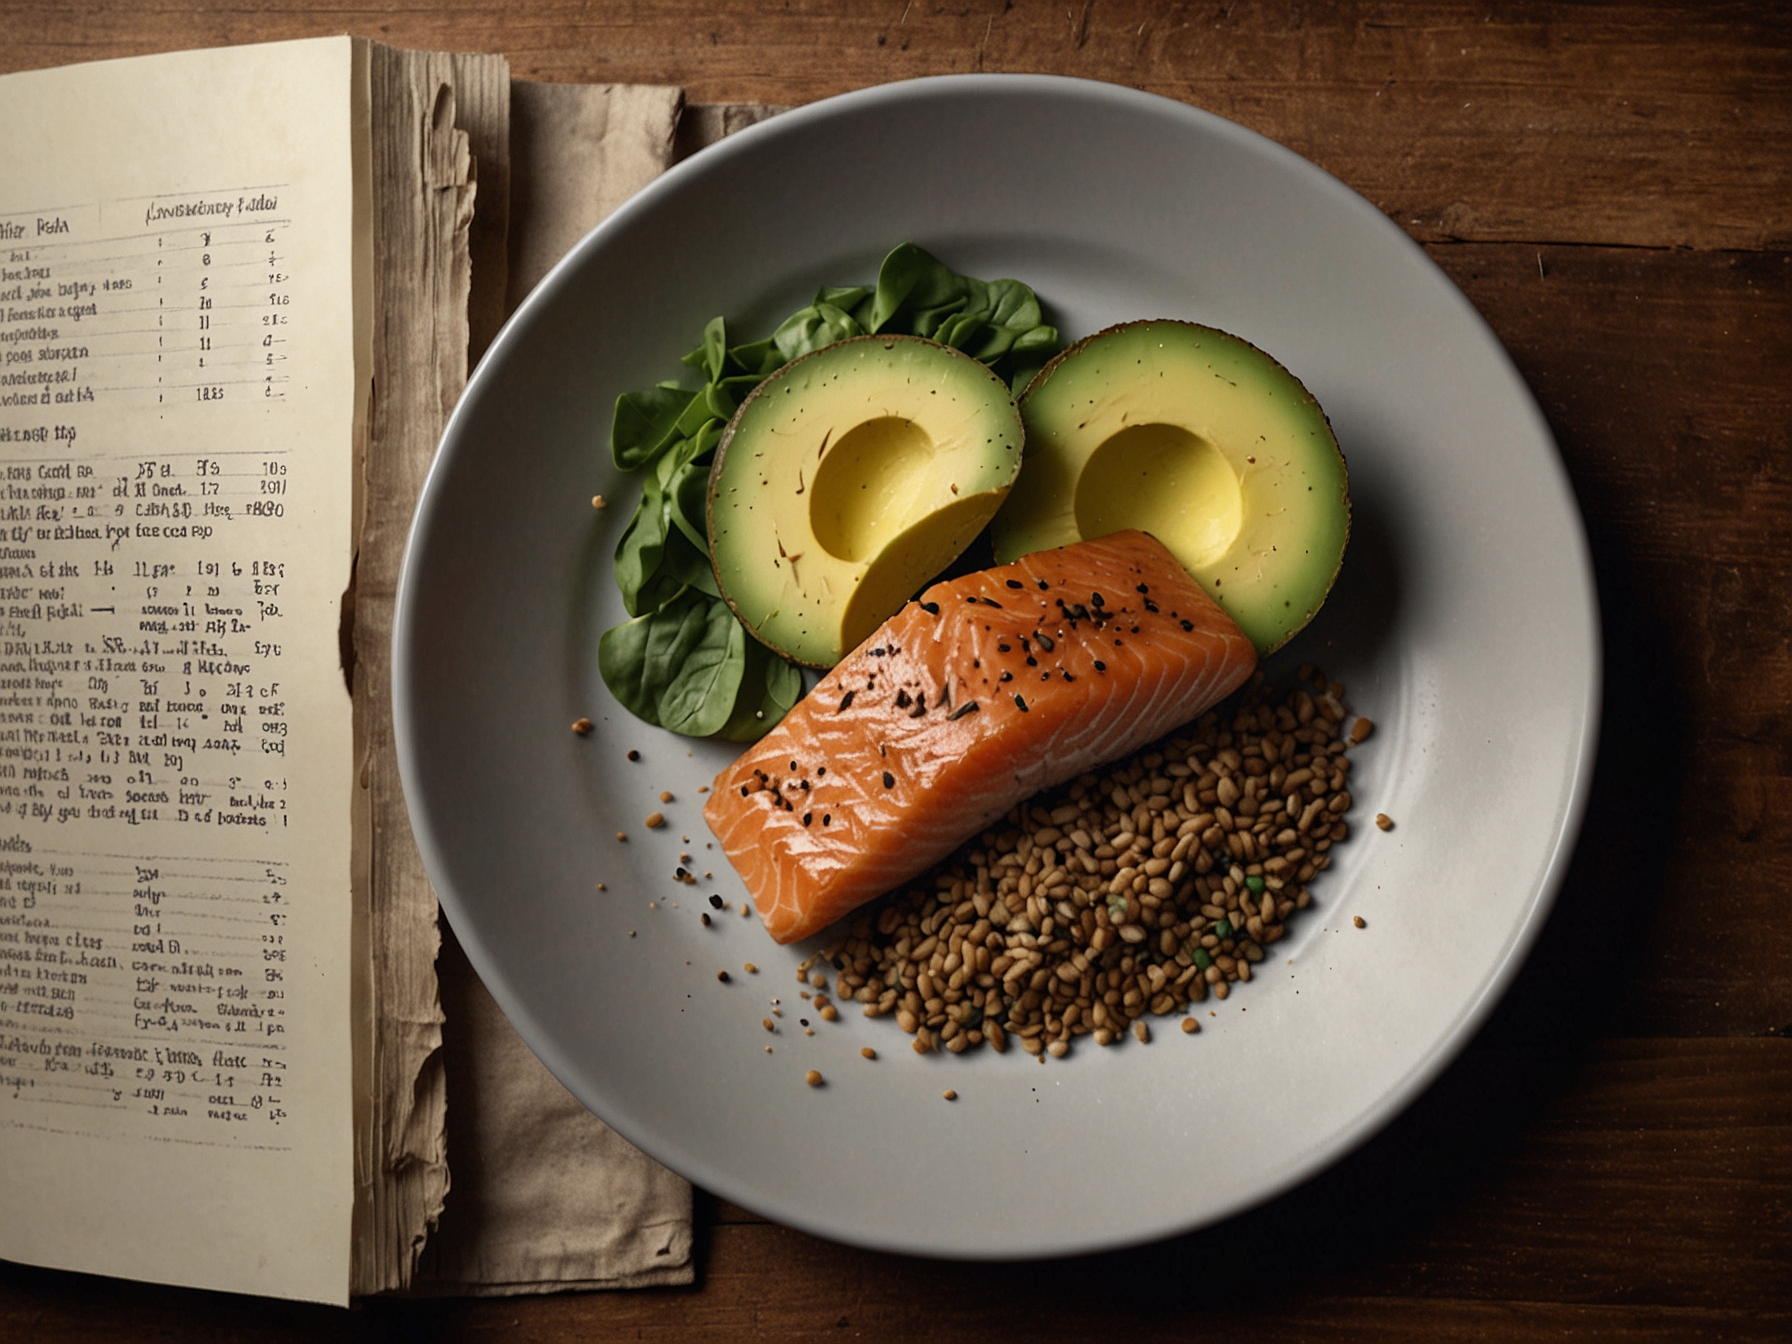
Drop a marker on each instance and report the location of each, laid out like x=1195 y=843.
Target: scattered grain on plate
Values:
x=1359 y=921
x=813 y=1077
x=1359 y=732
x=581 y=726
x=751 y=969
x=724 y=977
x=634 y=755
x=599 y=502
x=703 y=788
x=602 y=887
x=950 y=1095
x=1383 y=820
x=1128 y=893
x=655 y=820
x=867 y=1052
x=622 y=835
x=705 y=919
x=1190 y=1026
x=665 y=795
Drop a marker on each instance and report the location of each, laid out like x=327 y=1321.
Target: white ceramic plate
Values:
x=1464 y=625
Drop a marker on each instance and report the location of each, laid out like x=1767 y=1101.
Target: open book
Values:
x=239 y=292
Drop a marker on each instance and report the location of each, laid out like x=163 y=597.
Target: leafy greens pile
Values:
x=685 y=662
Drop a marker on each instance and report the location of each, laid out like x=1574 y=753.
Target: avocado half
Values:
x=1200 y=439
x=848 y=479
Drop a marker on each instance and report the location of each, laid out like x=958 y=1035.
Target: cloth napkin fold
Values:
x=545 y=1197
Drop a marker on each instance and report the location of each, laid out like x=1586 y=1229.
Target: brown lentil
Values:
x=1383 y=820
x=813 y=1077
x=655 y=820
x=581 y=726
x=867 y=1052
x=665 y=795
x=949 y=1095
x=1130 y=892
x=1359 y=921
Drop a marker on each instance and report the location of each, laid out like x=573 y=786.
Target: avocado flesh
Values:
x=1202 y=440
x=847 y=480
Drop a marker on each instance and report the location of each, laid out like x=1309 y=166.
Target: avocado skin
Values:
x=1279 y=582
x=974 y=443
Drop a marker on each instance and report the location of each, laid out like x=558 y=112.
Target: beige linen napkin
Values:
x=545 y=1197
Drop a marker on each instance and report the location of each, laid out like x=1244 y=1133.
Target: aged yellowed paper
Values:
x=178 y=395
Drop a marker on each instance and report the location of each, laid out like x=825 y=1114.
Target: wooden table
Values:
x=1609 y=184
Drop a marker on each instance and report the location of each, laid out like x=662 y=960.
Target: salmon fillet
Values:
x=978 y=695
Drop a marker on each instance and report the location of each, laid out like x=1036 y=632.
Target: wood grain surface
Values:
x=1608 y=183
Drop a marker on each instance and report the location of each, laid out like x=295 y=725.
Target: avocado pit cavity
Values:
x=1167 y=481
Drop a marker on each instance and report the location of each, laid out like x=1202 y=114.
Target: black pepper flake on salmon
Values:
x=902 y=700
x=1100 y=666
x=990 y=602
x=889 y=780
x=1006 y=676
x=1143 y=588
x=1021 y=702
x=1188 y=625
x=1044 y=640
x=826 y=818
x=1098 y=599
x=1044 y=586
x=821 y=770
x=1014 y=583
x=931 y=608
x=968 y=707
x=1032 y=661
x=846 y=702
x=1004 y=648
x=806 y=817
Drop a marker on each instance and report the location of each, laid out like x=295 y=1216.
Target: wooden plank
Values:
x=1663 y=377
x=1658 y=124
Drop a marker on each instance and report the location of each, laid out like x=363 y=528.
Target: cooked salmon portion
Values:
x=986 y=690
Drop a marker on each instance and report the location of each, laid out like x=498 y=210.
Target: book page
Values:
x=178 y=396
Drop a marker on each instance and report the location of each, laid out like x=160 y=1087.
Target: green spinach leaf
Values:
x=645 y=423
x=700 y=699
x=640 y=659
x=643 y=543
